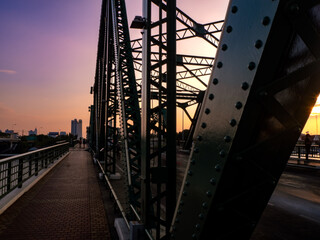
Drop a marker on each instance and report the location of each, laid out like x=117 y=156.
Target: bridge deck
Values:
x=65 y=204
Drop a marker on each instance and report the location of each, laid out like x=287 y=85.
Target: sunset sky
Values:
x=47 y=58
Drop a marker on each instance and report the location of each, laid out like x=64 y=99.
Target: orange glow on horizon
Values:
x=313 y=125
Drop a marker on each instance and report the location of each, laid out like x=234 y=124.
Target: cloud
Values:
x=7 y=71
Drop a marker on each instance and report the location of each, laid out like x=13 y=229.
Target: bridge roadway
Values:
x=65 y=204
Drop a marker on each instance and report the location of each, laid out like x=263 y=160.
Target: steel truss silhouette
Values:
x=263 y=84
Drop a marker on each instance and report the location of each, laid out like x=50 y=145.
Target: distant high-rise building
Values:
x=79 y=128
x=76 y=128
x=35 y=132
x=74 y=124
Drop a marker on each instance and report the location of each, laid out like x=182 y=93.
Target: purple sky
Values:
x=48 y=53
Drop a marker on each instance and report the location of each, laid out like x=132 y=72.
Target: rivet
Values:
x=203 y=125
x=181 y=203
x=213 y=181
x=251 y=66
x=177 y=220
x=187 y=183
x=217 y=168
x=211 y=96
x=229 y=29
x=208 y=193
x=207 y=111
x=266 y=21
x=179 y=211
x=194 y=236
x=294 y=8
x=224 y=47
x=174 y=228
x=233 y=122
x=205 y=205
x=219 y=65
x=201 y=216
x=258 y=44
x=238 y=105
x=227 y=139
x=199 y=138
x=234 y=9
x=245 y=85
x=263 y=94
x=172 y=236
x=193 y=162
x=222 y=153
x=190 y=173
x=198 y=226
x=215 y=81
x=196 y=150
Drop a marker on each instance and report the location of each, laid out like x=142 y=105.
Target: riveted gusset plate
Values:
x=260 y=95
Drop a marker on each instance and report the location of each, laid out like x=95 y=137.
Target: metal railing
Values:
x=300 y=151
x=15 y=170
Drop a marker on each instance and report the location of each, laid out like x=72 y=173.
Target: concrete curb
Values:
x=11 y=198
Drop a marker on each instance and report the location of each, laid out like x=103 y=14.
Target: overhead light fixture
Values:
x=138 y=22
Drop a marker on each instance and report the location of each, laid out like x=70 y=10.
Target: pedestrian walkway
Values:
x=314 y=162
x=65 y=204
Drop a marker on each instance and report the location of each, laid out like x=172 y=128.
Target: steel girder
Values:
x=158 y=130
x=260 y=95
x=191 y=69
x=127 y=102
x=213 y=28
x=97 y=111
x=201 y=67
x=116 y=121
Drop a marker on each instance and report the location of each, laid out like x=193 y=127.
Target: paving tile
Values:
x=66 y=204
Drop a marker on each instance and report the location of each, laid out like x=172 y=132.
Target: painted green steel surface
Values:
x=259 y=98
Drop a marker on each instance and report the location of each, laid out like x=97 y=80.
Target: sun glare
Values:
x=316 y=109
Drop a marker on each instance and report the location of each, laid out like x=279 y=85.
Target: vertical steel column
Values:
x=145 y=112
x=127 y=104
x=99 y=85
x=171 y=112
x=159 y=115
x=110 y=124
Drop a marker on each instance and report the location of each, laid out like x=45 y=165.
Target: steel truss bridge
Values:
x=250 y=102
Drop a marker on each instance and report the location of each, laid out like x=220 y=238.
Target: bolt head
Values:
x=227 y=139
x=266 y=20
x=224 y=47
x=213 y=181
x=233 y=122
x=245 y=85
x=229 y=29
x=234 y=9
x=251 y=66
x=238 y=105
x=258 y=44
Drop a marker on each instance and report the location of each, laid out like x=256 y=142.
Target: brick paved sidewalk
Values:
x=65 y=204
